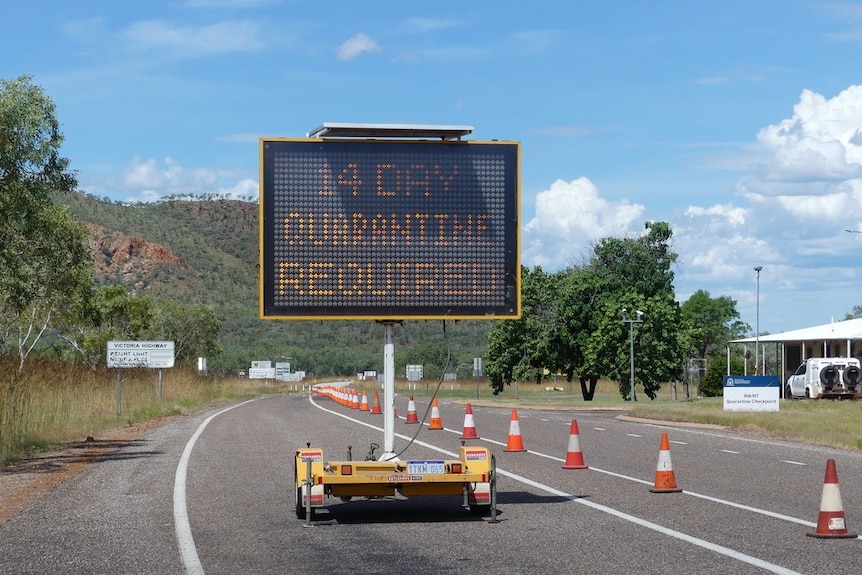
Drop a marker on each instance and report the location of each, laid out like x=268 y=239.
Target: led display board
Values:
x=389 y=229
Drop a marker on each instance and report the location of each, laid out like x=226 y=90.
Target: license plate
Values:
x=426 y=467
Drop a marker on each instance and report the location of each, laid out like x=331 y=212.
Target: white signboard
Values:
x=154 y=354
x=751 y=393
x=282 y=370
x=414 y=372
x=261 y=373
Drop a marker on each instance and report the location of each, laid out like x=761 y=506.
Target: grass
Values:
x=54 y=403
x=821 y=422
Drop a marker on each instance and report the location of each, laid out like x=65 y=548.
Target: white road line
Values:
x=714 y=547
x=600 y=429
x=793 y=462
x=720 y=549
x=729 y=451
x=186 y=542
x=679 y=442
x=633 y=435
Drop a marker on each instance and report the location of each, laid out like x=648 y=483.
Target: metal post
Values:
x=309 y=483
x=632 y=323
x=632 y=358
x=389 y=393
x=757 y=326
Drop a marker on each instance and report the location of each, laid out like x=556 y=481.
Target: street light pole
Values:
x=632 y=322
x=757 y=326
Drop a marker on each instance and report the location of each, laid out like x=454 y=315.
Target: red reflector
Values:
x=346 y=470
x=484 y=478
x=456 y=468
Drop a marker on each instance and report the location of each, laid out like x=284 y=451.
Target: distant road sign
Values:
x=261 y=373
x=153 y=354
x=376 y=229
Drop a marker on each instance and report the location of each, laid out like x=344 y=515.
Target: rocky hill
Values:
x=205 y=251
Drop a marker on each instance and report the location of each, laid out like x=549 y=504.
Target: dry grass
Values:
x=52 y=403
x=55 y=403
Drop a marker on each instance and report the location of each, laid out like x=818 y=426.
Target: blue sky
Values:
x=738 y=122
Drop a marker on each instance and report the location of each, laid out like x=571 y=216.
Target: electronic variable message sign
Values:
x=389 y=229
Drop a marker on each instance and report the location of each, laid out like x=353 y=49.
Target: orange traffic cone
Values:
x=354 y=400
x=363 y=405
x=830 y=522
x=515 y=442
x=436 y=422
x=574 y=457
x=469 y=425
x=665 y=482
x=412 y=417
x=375 y=408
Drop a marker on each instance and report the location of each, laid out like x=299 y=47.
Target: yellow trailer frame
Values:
x=471 y=475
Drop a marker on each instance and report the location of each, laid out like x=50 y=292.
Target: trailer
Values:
x=470 y=476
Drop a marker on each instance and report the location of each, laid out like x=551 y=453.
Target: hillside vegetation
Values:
x=205 y=251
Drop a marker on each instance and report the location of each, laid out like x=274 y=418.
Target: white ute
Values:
x=825 y=377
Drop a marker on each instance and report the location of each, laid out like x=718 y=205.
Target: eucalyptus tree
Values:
x=45 y=267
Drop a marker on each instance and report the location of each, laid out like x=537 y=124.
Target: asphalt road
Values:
x=213 y=493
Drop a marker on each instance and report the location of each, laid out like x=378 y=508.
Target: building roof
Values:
x=837 y=330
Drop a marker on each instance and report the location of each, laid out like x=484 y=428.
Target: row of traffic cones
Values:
x=831 y=521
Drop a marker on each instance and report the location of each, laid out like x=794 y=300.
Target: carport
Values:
x=836 y=339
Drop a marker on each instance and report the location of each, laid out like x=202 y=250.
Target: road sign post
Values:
x=130 y=354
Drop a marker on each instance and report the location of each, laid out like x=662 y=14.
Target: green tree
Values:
x=111 y=313
x=45 y=267
x=856 y=313
x=633 y=274
x=580 y=296
x=712 y=383
x=519 y=348
x=194 y=329
x=709 y=322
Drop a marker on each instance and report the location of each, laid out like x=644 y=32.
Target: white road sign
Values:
x=261 y=373
x=154 y=354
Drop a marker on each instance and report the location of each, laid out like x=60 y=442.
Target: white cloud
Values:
x=802 y=191
x=355 y=46
x=219 y=38
x=726 y=214
x=150 y=180
x=245 y=188
x=570 y=216
x=819 y=143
